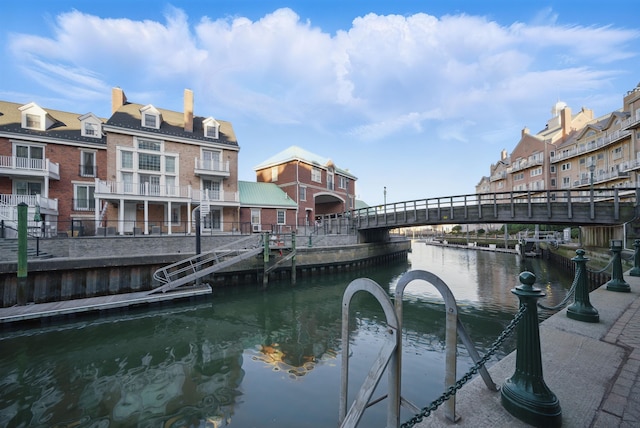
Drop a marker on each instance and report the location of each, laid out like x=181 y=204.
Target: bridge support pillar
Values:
x=617 y=282
x=525 y=394
x=581 y=309
x=635 y=271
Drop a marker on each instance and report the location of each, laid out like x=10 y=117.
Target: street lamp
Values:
x=592 y=168
x=385 y=195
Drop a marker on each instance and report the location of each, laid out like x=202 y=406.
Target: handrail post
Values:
x=525 y=394
x=581 y=309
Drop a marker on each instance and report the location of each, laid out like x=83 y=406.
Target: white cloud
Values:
x=385 y=74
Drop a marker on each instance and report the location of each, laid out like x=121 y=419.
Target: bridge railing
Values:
x=486 y=206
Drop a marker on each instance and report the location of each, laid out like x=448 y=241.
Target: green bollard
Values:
x=21 y=292
x=617 y=282
x=525 y=394
x=581 y=309
x=635 y=270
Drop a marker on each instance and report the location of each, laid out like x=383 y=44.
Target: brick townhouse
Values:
x=49 y=159
x=164 y=168
x=314 y=183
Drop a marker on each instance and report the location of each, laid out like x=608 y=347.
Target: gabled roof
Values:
x=294 y=153
x=129 y=117
x=266 y=195
x=67 y=126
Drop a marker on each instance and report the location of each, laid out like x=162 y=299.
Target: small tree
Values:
x=456 y=229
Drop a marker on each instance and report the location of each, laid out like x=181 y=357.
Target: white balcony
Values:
x=215 y=197
x=18 y=166
x=211 y=168
x=598 y=144
x=106 y=189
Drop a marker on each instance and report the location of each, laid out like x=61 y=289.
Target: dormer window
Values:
x=34 y=117
x=211 y=128
x=150 y=121
x=90 y=126
x=150 y=117
x=33 y=121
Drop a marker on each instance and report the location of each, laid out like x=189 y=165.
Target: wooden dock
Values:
x=67 y=307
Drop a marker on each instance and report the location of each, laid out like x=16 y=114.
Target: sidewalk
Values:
x=593 y=369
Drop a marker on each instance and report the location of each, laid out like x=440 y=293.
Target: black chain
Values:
x=426 y=411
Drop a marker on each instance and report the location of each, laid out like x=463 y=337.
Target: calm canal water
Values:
x=247 y=358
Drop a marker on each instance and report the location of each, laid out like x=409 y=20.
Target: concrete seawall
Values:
x=121 y=265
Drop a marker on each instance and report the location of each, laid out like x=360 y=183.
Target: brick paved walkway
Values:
x=621 y=406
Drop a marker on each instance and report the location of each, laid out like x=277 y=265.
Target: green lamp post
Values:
x=581 y=309
x=525 y=394
x=617 y=282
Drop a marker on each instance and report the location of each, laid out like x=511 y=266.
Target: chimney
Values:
x=118 y=99
x=188 y=110
x=565 y=121
x=525 y=131
x=503 y=154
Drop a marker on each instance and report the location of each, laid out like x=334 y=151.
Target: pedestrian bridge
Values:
x=593 y=207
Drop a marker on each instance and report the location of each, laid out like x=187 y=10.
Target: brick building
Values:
x=162 y=165
x=316 y=184
x=49 y=159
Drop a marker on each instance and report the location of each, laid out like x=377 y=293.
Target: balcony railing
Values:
x=18 y=164
x=524 y=164
x=208 y=166
x=207 y=196
x=499 y=176
x=141 y=189
x=599 y=143
x=632 y=122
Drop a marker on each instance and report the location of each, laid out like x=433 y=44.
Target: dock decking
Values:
x=35 y=311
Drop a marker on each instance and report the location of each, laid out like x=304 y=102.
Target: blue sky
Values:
x=418 y=97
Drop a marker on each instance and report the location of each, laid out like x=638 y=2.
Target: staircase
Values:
x=192 y=268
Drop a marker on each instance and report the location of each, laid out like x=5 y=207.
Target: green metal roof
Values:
x=263 y=195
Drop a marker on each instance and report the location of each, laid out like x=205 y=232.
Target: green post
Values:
x=617 y=282
x=581 y=309
x=525 y=395
x=293 y=258
x=265 y=259
x=21 y=297
x=635 y=270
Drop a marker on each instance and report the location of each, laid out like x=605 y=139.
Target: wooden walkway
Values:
x=66 y=307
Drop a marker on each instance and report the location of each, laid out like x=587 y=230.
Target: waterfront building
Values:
x=162 y=166
x=575 y=151
x=265 y=206
x=315 y=183
x=49 y=159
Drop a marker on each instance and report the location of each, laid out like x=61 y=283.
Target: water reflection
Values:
x=245 y=357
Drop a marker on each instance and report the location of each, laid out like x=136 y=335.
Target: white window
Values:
x=175 y=215
x=330 y=185
x=150 y=120
x=29 y=156
x=342 y=182
x=150 y=117
x=255 y=218
x=552 y=169
x=126 y=160
x=90 y=129
x=34 y=121
x=83 y=197
x=211 y=160
x=535 y=172
x=316 y=175
x=87 y=164
x=281 y=217
x=211 y=189
x=149 y=184
x=170 y=184
x=127 y=182
x=303 y=193
x=31 y=188
x=566 y=181
x=211 y=128
x=565 y=166
x=274 y=174
x=170 y=164
x=617 y=153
